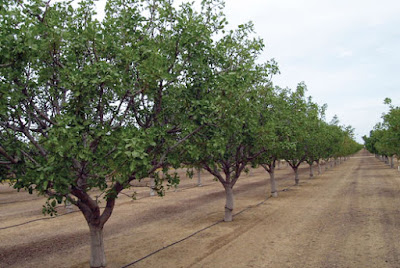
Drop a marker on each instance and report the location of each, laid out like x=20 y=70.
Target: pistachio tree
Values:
x=86 y=107
x=314 y=137
x=273 y=134
x=231 y=141
x=331 y=136
x=296 y=120
x=382 y=142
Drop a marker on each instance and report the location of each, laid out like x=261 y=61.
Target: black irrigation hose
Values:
x=18 y=201
x=182 y=189
x=199 y=231
x=165 y=247
x=40 y=219
x=170 y=245
x=49 y=218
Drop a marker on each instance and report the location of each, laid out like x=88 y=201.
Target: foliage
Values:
x=88 y=106
x=384 y=139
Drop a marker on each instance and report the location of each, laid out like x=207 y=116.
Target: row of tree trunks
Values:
x=388 y=160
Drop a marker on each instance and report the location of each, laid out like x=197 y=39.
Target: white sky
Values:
x=346 y=51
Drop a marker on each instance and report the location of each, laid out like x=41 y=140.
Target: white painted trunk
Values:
x=229 y=203
x=97 y=255
x=274 y=191
x=319 y=168
x=68 y=206
x=392 y=161
x=199 y=177
x=296 y=176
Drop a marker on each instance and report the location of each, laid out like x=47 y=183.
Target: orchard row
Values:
x=88 y=104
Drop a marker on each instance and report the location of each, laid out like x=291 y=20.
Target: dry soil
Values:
x=346 y=217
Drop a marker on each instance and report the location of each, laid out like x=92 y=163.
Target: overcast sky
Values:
x=346 y=51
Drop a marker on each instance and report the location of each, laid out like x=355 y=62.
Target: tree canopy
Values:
x=88 y=106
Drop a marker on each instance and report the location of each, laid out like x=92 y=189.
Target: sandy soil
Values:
x=346 y=217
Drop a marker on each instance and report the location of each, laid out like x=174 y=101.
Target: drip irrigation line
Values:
x=172 y=244
x=40 y=219
x=182 y=189
x=18 y=201
x=199 y=231
x=59 y=215
x=203 y=229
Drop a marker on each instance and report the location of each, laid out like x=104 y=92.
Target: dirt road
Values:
x=346 y=217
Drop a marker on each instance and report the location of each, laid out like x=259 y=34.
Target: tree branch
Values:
x=162 y=158
x=5 y=65
x=29 y=157
x=9 y=157
x=34 y=142
x=214 y=172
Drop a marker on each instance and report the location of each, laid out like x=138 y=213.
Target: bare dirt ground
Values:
x=346 y=217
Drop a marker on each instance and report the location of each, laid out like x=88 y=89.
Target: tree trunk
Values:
x=229 y=203
x=311 y=171
x=97 y=255
x=199 y=177
x=296 y=176
x=392 y=162
x=319 y=168
x=68 y=206
x=279 y=164
x=274 y=191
